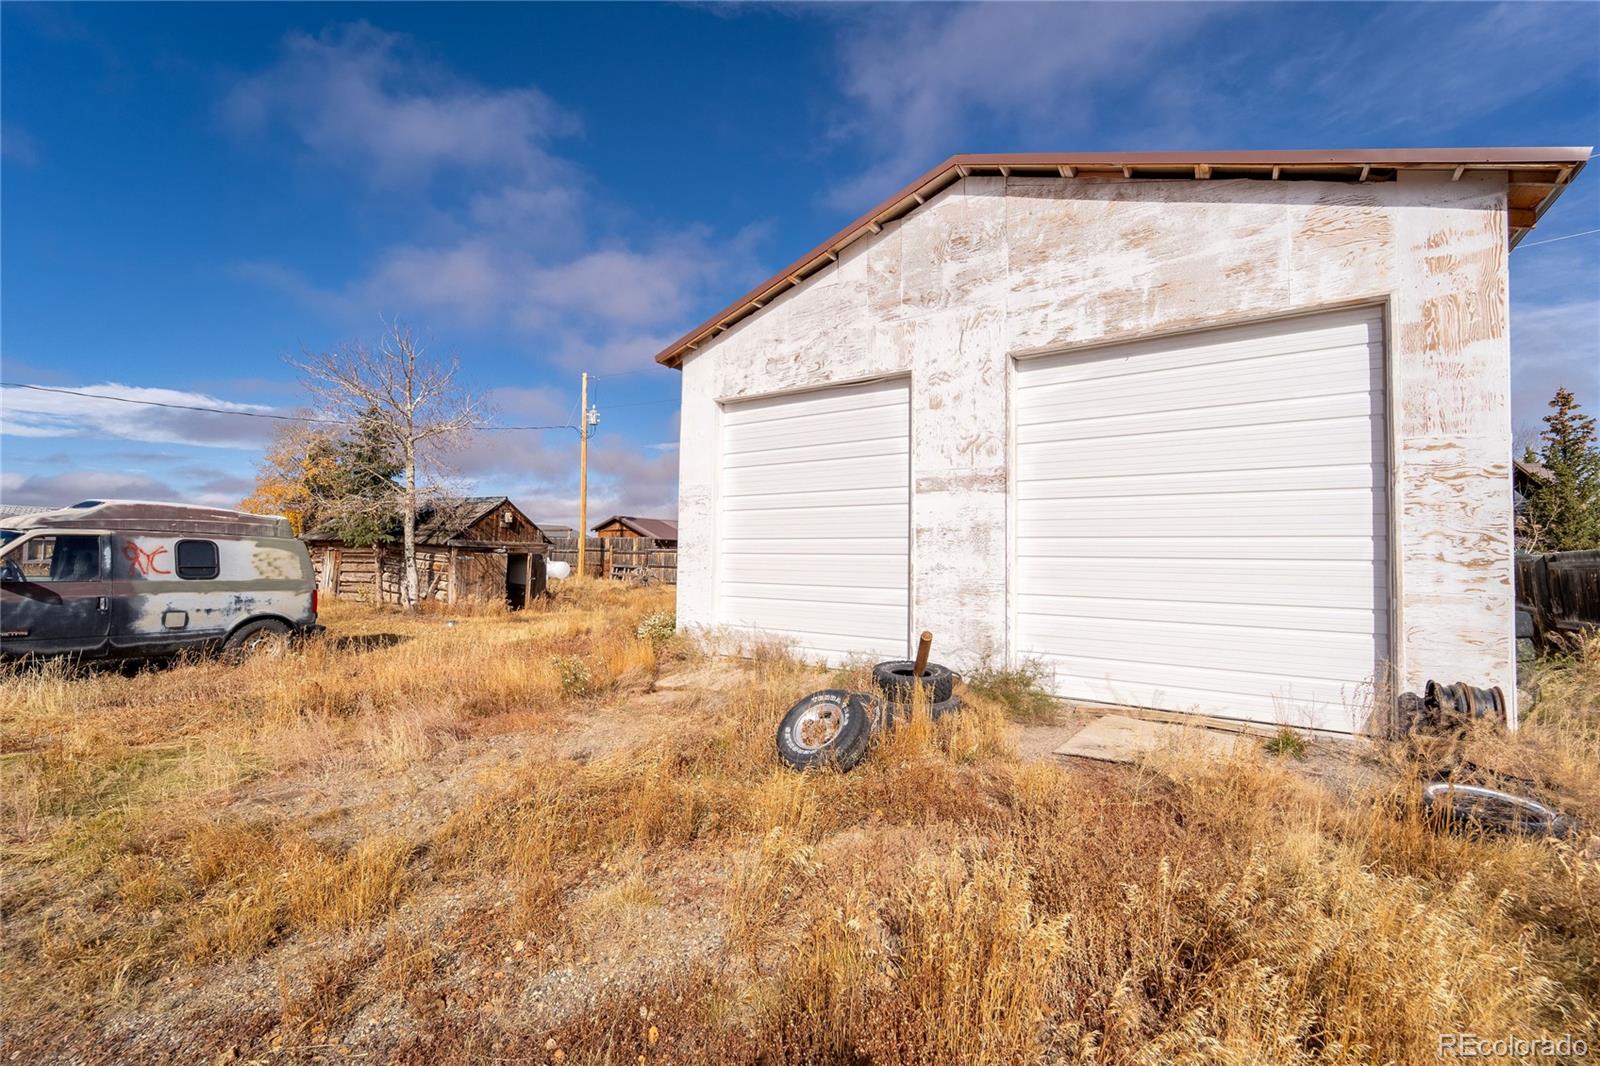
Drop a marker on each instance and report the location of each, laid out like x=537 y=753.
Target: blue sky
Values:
x=191 y=192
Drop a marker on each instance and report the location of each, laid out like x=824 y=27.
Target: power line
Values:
x=226 y=411
x=1563 y=237
x=172 y=406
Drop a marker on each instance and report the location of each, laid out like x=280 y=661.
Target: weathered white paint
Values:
x=815 y=512
x=993 y=268
x=1200 y=522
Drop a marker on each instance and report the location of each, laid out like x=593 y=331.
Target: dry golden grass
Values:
x=423 y=842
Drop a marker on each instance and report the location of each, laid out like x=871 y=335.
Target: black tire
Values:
x=827 y=727
x=900 y=711
x=897 y=682
x=255 y=638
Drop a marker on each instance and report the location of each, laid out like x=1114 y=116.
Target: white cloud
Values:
x=919 y=79
x=525 y=250
x=540 y=472
x=1554 y=345
x=1476 y=62
x=924 y=81
x=1555 y=309
x=619 y=351
x=465 y=279
x=30 y=413
x=531 y=405
x=647 y=476
x=360 y=97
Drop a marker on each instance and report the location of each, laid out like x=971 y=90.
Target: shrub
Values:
x=576 y=680
x=1286 y=742
x=657 y=628
x=1019 y=689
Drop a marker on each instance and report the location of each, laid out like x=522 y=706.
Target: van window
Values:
x=196 y=559
x=55 y=558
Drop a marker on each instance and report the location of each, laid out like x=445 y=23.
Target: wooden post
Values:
x=453 y=577
x=527 y=580
x=924 y=646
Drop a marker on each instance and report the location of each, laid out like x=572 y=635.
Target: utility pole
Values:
x=583 y=473
x=589 y=418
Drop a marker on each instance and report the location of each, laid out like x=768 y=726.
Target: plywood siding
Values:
x=997 y=268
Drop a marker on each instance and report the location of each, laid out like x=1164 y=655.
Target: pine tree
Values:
x=1563 y=514
x=365 y=505
x=343 y=484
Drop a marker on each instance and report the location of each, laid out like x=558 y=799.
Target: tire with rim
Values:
x=1474 y=808
x=897 y=680
x=827 y=727
x=268 y=636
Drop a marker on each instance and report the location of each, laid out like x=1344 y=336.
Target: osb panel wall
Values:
x=995 y=267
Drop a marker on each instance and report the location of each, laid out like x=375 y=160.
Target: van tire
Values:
x=267 y=636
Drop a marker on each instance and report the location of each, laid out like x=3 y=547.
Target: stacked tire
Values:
x=898 y=682
x=834 y=727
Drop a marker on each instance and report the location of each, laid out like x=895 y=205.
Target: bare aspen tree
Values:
x=411 y=400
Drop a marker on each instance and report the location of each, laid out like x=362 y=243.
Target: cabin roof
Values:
x=445 y=519
x=656 y=528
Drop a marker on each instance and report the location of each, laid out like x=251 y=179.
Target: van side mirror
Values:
x=11 y=573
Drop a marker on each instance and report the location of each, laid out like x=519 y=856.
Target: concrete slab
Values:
x=1116 y=738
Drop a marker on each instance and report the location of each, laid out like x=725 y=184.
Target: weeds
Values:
x=575 y=679
x=1019 y=689
x=657 y=628
x=422 y=845
x=1286 y=742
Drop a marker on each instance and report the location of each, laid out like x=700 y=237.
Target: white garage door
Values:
x=1201 y=520
x=815 y=517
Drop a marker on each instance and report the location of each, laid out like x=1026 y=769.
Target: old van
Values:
x=125 y=578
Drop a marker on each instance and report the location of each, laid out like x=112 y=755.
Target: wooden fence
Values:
x=1561 y=591
x=626 y=558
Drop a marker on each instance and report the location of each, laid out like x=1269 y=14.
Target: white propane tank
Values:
x=556 y=571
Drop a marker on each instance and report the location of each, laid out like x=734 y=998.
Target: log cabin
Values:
x=472 y=549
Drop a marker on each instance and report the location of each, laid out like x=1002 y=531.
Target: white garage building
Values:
x=1224 y=433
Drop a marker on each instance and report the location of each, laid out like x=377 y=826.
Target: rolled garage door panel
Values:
x=814 y=520
x=1201 y=521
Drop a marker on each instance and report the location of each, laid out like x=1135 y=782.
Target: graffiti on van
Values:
x=142 y=561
